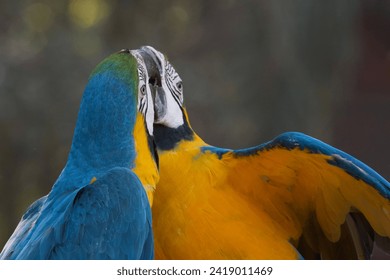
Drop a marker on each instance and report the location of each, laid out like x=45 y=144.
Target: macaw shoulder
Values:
x=106 y=218
x=98 y=221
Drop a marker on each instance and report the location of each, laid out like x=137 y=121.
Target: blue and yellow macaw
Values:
x=98 y=208
x=289 y=198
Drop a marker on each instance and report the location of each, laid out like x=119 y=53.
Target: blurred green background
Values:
x=251 y=70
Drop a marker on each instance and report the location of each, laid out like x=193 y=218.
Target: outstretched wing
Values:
x=309 y=187
x=107 y=219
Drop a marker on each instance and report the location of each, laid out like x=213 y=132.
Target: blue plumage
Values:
x=297 y=140
x=116 y=207
x=97 y=208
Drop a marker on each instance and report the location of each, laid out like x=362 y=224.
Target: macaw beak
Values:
x=154 y=68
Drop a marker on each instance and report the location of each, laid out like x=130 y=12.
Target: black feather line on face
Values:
x=170 y=76
x=177 y=99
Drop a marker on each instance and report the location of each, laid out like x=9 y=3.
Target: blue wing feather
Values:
x=18 y=238
x=108 y=219
x=297 y=140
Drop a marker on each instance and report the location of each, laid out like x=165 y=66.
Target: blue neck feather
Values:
x=103 y=137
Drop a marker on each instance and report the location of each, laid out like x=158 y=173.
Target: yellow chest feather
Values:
x=145 y=166
x=198 y=214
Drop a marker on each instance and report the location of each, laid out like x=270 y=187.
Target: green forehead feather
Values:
x=120 y=65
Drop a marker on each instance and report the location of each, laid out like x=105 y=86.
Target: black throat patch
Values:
x=166 y=138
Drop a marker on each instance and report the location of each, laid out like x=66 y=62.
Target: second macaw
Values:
x=290 y=198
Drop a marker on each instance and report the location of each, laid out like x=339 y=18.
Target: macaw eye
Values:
x=143 y=89
x=179 y=86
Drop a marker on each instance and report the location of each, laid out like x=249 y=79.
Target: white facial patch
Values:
x=172 y=86
x=145 y=100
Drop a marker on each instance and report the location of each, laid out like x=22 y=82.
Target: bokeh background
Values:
x=251 y=70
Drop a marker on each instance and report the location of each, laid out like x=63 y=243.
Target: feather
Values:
x=98 y=207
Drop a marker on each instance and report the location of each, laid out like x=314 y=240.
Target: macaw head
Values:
x=115 y=121
x=171 y=124
x=169 y=102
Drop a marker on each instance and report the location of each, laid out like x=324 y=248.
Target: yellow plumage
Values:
x=254 y=206
x=144 y=165
x=294 y=193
